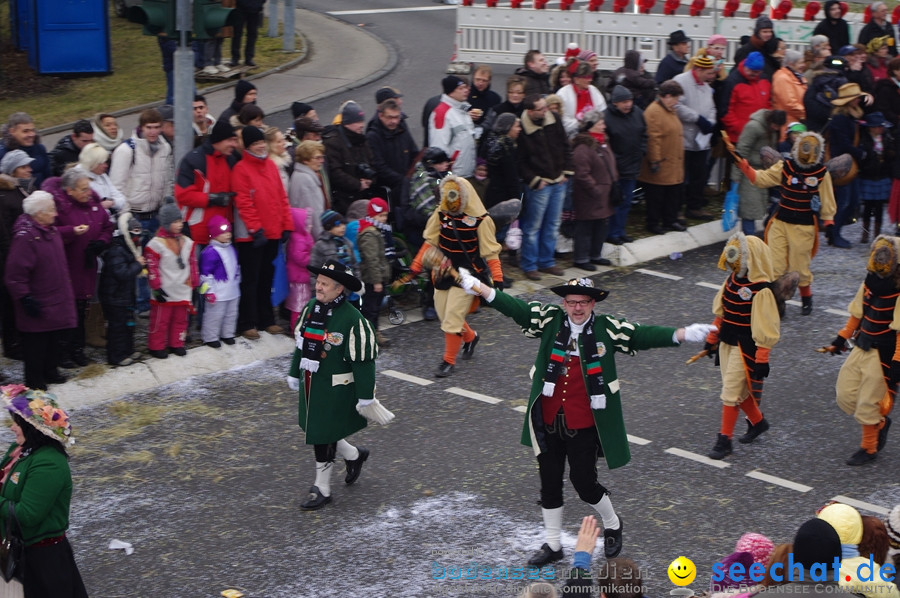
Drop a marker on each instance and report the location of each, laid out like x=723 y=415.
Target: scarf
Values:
x=386 y=232
x=583 y=101
x=600 y=138
x=314 y=333
x=593 y=370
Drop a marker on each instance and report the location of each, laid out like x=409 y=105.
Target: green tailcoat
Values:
x=40 y=486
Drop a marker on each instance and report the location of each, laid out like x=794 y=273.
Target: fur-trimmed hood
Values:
x=797 y=150
x=754 y=257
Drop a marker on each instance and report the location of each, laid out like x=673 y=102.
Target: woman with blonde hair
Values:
x=94 y=161
x=277 y=146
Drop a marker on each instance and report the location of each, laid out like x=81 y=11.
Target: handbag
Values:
x=730 y=209
x=12 y=548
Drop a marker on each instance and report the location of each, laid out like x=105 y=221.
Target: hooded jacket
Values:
x=202 y=171
x=393 y=153
x=451 y=129
x=344 y=152
x=260 y=199
x=788 y=89
x=627 y=134
x=143 y=176
x=117 y=279
x=755 y=135
x=595 y=172
x=63 y=154
x=741 y=97
x=11 y=196
x=642 y=87
x=836 y=30
x=299 y=248
x=538 y=83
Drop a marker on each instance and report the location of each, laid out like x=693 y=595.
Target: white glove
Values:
x=598 y=402
x=363 y=402
x=469 y=283
x=696 y=333
x=293 y=383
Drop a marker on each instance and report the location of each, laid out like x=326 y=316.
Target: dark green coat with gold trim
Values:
x=346 y=374
x=40 y=487
x=543 y=321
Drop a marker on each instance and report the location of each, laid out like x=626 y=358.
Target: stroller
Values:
x=400 y=293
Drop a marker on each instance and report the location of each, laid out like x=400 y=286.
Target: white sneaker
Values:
x=210 y=70
x=224 y=68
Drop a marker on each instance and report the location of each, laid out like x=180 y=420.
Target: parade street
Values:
x=204 y=478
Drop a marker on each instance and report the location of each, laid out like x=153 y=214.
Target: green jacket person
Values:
x=336 y=351
x=574 y=408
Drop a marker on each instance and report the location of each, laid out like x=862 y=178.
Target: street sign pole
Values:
x=273 y=19
x=184 y=83
x=288 y=37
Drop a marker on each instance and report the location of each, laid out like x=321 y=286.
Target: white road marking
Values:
x=758 y=475
x=638 y=440
x=474 y=395
x=794 y=302
x=375 y=11
x=520 y=408
x=698 y=458
x=659 y=274
x=838 y=312
x=407 y=377
x=709 y=285
x=861 y=504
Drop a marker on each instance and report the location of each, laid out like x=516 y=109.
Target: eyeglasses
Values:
x=581 y=303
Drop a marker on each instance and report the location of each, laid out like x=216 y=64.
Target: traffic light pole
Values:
x=288 y=35
x=184 y=83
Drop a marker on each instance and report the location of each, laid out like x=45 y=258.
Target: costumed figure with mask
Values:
x=574 y=409
x=747 y=326
x=807 y=196
x=867 y=382
x=459 y=234
x=334 y=371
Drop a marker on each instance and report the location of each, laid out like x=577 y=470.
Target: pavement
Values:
x=323 y=71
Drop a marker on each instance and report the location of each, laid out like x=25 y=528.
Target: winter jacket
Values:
x=836 y=30
x=665 y=146
x=697 y=101
x=877 y=67
x=887 y=99
x=11 y=196
x=330 y=247
x=260 y=201
x=117 y=279
x=424 y=197
x=877 y=166
x=595 y=172
x=177 y=278
x=451 y=129
x=755 y=44
x=344 y=152
x=37 y=267
x=105 y=190
x=873 y=30
x=484 y=101
x=503 y=172
x=741 y=97
x=569 y=98
x=642 y=86
x=82 y=259
x=818 y=96
x=544 y=151
x=63 y=154
x=865 y=77
x=788 y=89
x=202 y=171
x=374 y=268
x=538 y=83
x=842 y=136
x=306 y=192
x=670 y=66
x=144 y=177
x=757 y=134
x=299 y=248
x=393 y=153
x=627 y=134
x=220 y=270
x=40 y=168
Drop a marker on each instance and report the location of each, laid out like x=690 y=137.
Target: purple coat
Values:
x=82 y=268
x=37 y=266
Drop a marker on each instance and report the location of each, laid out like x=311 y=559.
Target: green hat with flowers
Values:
x=40 y=409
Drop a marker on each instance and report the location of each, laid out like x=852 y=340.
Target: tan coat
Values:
x=664 y=145
x=787 y=94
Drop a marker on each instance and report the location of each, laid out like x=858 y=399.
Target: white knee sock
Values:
x=607 y=513
x=323 y=477
x=553 y=526
x=347 y=451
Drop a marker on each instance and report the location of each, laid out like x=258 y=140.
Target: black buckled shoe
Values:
x=722 y=448
x=754 y=431
x=882 y=433
x=613 y=539
x=354 y=468
x=545 y=556
x=469 y=347
x=861 y=457
x=315 y=500
x=444 y=370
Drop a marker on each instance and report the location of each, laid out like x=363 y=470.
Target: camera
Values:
x=364 y=171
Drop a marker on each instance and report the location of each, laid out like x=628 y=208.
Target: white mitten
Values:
x=469 y=283
x=696 y=333
x=293 y=383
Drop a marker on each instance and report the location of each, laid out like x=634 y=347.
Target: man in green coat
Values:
x=574 y=409
x=334 y=371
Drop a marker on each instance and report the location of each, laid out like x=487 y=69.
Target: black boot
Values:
x=882 y=433
x=545 y=556
x=722 y=448
x=754 y=431
x=807 y=306
x=861 y=457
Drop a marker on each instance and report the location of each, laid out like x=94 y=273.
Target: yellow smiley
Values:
x=682 y=571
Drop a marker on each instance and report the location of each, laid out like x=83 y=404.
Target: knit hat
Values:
x=892 y=525
x=242 y=88
x=251 y=135
x=40 y=410
x=376 y=206
x=744 y=558
x=299 y=109
x=572 y=51
x=217 y=225
x=586 y=55
x=762 y=22
x=221 y=131
x=754 y=61
x=845 y=520
x=797 y=127
x=620 y=93
x=351 y=113
x=451 y=82
x=716 y=39
x=816 y=542
x=169 y=213
x=305 y=124
x=13 y=160
x=504 y=123
x=330 y=219
x=167 y=112
x=703 y=62
x=876 y=43
x=386 y=93
x=759 y=546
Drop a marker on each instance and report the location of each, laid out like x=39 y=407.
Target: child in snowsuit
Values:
x=376 y=249
x=298 y=251
x=122 y=264
x=220 y=275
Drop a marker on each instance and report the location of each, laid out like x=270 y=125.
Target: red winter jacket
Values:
x=201 y=172
x=261 y=200
x=747 y=96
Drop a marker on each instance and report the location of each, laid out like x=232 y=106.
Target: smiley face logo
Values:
x=682 y=571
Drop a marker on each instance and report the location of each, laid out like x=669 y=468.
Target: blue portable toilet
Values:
x=20 y=18
x=70 y=36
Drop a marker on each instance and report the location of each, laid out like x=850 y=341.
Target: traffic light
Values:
x=210 y=17
x=157 y=17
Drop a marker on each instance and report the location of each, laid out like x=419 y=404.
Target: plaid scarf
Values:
x=314 y=333
x=386 y=233
x=593 y=370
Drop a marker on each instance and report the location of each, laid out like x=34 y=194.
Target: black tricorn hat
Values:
x=580 y=286
x=338 y=272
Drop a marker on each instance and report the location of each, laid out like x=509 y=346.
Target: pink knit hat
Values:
x=717 y=39
x=218 y=225
x=756 y=544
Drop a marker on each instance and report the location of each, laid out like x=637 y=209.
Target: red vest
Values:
x=571 y=395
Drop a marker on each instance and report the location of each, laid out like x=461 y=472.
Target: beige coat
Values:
x=665 y=145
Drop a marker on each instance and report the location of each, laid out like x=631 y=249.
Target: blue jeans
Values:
x=540 y=226
x=620 y=217
x=748 y=226
x=150 y=226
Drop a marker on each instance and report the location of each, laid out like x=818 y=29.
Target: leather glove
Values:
x=293 y=383
x=705 y=126
x=259 y=238
x=761 y=370
x=840 y=345
x=221 y=199
x=159 y=295
x=895 y=373
x=712 y=349
x=210 y=298
x=697 y=333
x=31 y=306
x=285 y=236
